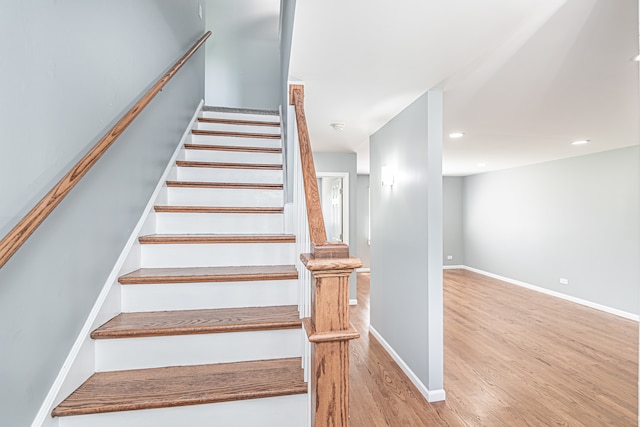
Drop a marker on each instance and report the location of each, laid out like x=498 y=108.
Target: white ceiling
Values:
x=521 y=78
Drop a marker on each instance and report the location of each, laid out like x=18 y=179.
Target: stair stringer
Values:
x=80 y=362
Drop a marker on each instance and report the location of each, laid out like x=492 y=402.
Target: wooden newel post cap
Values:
x=327 y=264
x=330 y=250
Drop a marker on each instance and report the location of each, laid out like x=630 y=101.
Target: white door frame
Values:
x=345 y=199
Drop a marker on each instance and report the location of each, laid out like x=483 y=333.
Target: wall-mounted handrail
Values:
x=30 y=222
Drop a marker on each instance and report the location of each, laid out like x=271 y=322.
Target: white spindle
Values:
x=303 y=243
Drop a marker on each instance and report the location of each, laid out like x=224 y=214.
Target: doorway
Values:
x=334 y=199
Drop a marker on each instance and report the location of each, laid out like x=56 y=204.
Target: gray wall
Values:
x=406 y=237
x=243 y=59
x=70 y=70
x=453 y=241
x=575 y=218
x=362 y=233
x=287 y=15
x=345 y=163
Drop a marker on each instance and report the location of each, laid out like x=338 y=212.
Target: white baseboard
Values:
x=453 y=267
x=566 y=297
x=430 y=395
x=82 y=346
x=353 y=302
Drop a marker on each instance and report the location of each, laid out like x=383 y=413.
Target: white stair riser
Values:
x=241 y=116
x=283 y=411
x=219 y=223
x=229 y=175
x=195 y=296
x=216 y=255
x=236 y=141
x=155 y=352
x=232 y=157
x=225 y=127
x=224 y=197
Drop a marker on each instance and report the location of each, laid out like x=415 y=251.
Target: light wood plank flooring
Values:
x=513 y=357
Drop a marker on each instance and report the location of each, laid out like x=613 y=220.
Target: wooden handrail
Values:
x=30 y=222
x=317 y=230
x=320 y=247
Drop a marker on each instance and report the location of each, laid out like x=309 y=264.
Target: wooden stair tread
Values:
x=238 y=122
x=209 y=274
x=205 y=132
x=227 y=165
x=207 y=321
x=239 y=148
x=230 y=185
x=218 y=209
x=234 y=110
x=184 y=385
x=158 y=239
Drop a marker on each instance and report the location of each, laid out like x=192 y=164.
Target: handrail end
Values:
x=293 y=90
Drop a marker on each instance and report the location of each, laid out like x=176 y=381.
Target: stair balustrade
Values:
x=324 y=269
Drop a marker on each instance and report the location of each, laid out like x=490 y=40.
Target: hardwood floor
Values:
x=513 y=357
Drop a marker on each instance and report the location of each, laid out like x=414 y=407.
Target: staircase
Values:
x=210 y=333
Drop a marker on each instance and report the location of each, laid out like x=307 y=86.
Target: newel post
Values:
x=329 y=331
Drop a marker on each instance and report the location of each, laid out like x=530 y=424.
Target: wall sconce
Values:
x=387 y=176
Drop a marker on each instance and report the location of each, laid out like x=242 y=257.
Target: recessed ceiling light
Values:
x=455 y=135
x=481 y=165
x=580 y=142
x=338 y=126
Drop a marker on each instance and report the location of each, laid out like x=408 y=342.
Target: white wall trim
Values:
x=353 y=302
x=50 y=400
x=430 y=395
x=363 y=270
x=556 y=294
x=453 y=267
